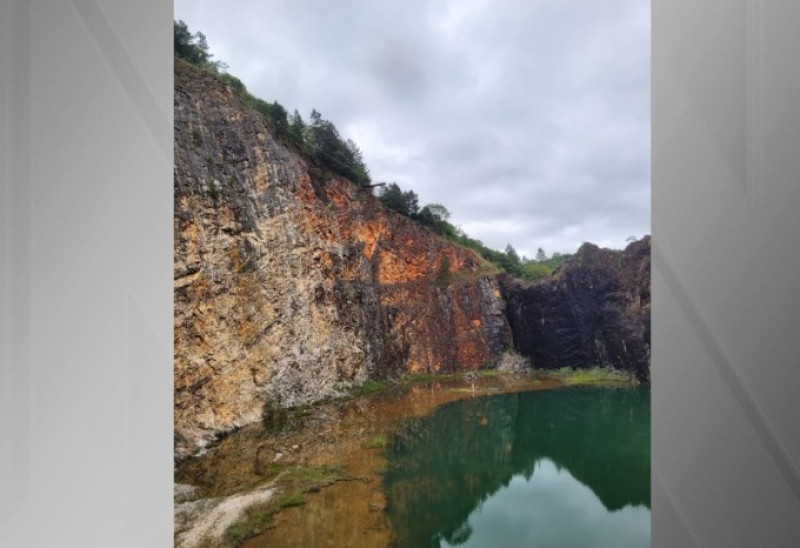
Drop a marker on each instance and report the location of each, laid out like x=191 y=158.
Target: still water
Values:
x=559 y=468
x=502 y=462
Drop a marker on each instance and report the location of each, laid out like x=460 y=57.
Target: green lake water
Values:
x=502 y=462
x=561 y=468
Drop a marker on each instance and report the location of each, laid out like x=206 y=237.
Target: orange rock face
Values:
x=291 y=286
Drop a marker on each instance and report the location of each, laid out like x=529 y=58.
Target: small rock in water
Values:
x=483 y=421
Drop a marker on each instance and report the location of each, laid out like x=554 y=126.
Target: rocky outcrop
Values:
x=594 y=311
x=292 y=285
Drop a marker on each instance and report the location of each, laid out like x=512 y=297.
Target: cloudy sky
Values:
x=528 y=119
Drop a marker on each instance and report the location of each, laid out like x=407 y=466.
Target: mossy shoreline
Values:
x=568 y=376
x=291 y=484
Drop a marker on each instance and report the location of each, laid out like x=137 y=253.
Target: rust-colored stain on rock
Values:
x=292 y=285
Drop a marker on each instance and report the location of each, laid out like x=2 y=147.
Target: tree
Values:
x=190 y=47
x=392 y=197
x=512 y=255
x=296 y=129
x=355 y=152
x=324 y=144
x=194 y=47
x=273 y=113
x=437 y=211
x=405 y=203
x=412 y=202
x=358 y=169
x=541 y=256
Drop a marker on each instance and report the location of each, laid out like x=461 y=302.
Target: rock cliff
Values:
x=595 y=310
x=292 y=285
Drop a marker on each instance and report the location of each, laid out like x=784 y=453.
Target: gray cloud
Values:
x=529 y=120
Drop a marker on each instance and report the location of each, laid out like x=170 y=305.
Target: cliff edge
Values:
x=292 y=284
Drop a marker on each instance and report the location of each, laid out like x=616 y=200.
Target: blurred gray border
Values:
x=726 y=190
x=86 y=261
x=15 y=259
x=86 y=273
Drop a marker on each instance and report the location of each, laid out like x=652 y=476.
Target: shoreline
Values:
x=305 y=442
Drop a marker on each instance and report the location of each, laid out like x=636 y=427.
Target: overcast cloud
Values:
x=529 y=120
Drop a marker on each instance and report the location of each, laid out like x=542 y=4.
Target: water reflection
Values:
x=555 y=468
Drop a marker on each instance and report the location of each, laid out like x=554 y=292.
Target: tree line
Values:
x=319 y=140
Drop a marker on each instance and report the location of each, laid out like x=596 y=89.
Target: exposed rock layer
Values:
x=291 y=284
x=594 y=311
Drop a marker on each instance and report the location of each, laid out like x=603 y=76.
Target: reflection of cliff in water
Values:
x=443 y=466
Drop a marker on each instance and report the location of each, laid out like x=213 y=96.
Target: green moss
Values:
x=370 y=386
x=461 y=390
x=421 y=377
x=378 y=442
x=269 y=471
x=295 y=499
x=571 y=376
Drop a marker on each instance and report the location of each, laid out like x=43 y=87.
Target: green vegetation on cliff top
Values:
x=319 y=141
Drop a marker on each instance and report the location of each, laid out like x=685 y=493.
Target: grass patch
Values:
x=300 y=412
x=257 y=519
x=572 y=376
x=370 y=386
x=462 y=390
x=378 y=442
x=428 y=377
x=295 y=499
x=291 y=487
x=421 y=377
x=270 y=471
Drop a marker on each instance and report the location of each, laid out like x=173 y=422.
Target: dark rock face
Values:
x=595 y=310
